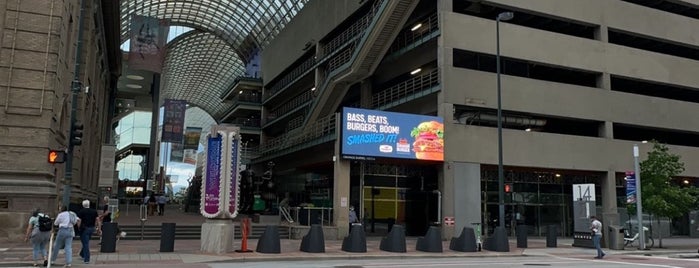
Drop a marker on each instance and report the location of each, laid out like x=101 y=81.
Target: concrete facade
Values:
x=38 y=41
x=468 y=148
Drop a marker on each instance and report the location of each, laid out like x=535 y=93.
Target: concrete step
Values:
x=151 y=232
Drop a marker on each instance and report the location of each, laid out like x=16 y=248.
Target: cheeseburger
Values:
x=429 y=141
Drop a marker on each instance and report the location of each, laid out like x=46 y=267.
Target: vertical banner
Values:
x=176 y=152
x=630 y=187
x=234 y=141
x=211 y=203
x=107 y=166
x=147 y=44
x=173 y=120
x=191 y=137
x=190 y=157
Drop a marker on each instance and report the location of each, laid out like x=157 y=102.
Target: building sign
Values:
x=173 y=120
x=630 y=187
x=107 y=166
x=584 y=206
x=370 y=133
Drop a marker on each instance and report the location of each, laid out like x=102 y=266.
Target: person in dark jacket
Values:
x=88 y=224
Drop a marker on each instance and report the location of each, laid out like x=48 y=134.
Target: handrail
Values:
x=405 y=88
x=297 y=101
x=408 y=36
x=320 y=128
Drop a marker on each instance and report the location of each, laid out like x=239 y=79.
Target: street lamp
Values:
x=504 y=16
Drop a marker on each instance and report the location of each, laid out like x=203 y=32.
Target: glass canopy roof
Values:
x=201 y=64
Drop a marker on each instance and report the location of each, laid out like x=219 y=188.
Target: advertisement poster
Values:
x=370 y=133
x=173 y=120
x=212 y=190
x=176 y=152
x=630 y=187
x=147 y=46
x=190 y=157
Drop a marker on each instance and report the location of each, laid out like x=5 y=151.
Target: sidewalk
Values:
x=187 y=252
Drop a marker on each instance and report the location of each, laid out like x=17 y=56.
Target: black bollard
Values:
x=109 y=235
x=521 y=236
x=431 y=242
x=356 y=240
x=167 y=237
x=498 y=242
x=551 y=236
x=269 y=241
x=395 y=240
x=466 y=242
x=314 y=241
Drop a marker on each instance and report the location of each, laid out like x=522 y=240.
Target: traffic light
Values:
x=56 y=157
x=77 y=134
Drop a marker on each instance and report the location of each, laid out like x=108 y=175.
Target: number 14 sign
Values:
x=584 y=192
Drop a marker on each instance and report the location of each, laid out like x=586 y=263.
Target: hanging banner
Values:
x=234 y=141
x=190 y=156
x=147 y=44
x=630 y=187
x=211 y=203
x=176 y=152
x=173 y=120
x=191 y=137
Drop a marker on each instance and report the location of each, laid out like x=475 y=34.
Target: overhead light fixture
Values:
x=241 y=92
x=644 y=141
x=528 y=129
x=415 y=71
x=417 y=26
x=134 y=77
x=686 y=181
x=134 y=86
x=558 y=175
x=313 y=89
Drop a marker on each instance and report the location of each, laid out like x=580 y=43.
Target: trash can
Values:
x=552 y=236
x=615 y=238
x=167 y=237
x=109 y=235
x=521 y=236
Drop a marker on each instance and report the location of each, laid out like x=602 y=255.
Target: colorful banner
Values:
x=234 y=176
x=176 y=152
x=212 y=191
x=147 y=44
x=371 y=133
x=630 y=187
x=191 y=137
x=173 y=120
x=190 y=156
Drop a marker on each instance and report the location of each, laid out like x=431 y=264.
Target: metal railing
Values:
x=290 y=76
x=292 y=104
x=408 y=36
x=322 y=215
x=246 y=122
x=405 y=88
x=341 y=58
x=320 y=128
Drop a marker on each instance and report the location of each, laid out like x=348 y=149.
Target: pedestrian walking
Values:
x=162 y=200
x=39 y=233
x=64 y=237
x=596 y=232
x=88 y=225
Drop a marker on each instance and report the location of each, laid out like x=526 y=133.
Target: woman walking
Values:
x=38 y=236
x=64 y=237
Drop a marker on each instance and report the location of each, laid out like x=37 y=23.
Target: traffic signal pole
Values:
x=75 y=89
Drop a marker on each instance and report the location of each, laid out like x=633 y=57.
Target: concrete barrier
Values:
x=466 y=242
x=431 y=242
x=395 y=240
x=314 y=241
x=269 y=241
x=356 y=240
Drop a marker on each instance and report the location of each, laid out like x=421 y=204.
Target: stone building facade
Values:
x=38 y=51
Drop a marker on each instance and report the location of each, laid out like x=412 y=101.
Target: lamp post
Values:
x=504 y=16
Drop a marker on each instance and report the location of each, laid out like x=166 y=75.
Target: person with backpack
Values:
x=39 y=233
x=64 y=236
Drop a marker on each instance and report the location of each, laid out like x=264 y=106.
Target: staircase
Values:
x=152 y=232
x=365 y=57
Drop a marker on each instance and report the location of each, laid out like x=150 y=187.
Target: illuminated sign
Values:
x=370 y=133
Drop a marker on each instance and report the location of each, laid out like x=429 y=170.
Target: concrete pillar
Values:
x=609 y=211
x=461 y=196
x=365 y=94
x=217 y=236
x=341 y=190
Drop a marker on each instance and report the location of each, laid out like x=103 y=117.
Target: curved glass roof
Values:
x=241 y=27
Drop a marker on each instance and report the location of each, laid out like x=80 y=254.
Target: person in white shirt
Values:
x=64 y=237
x=596 y=228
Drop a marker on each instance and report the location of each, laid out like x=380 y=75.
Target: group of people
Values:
x=156 y=203
x=67 y=224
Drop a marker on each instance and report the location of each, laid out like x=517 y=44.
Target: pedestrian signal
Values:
x=56 y=157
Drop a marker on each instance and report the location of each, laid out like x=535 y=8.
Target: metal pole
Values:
x=639 y=206
x=501 y=172
x=75 y=89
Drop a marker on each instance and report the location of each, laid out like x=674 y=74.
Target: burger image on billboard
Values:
x=429 y=141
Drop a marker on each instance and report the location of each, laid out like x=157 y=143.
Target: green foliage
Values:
x=660 y=196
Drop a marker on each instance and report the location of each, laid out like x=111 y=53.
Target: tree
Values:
x=660 y=196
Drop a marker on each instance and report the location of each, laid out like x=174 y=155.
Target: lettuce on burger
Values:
x=429 y=140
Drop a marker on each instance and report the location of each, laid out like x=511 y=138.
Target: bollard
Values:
x=551 y=233
x=466 y=242
x=356 y=240
x=395 y=240
x=431 y=242
x=521 y=236
x=244 y=229
x=314 y=241
x=167 y=237
x=498 y=242
x=109 y=235
x=269 y=241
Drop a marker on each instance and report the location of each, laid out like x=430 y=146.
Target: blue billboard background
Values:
x=370 y=133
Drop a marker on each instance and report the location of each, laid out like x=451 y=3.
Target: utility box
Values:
x=615 y=237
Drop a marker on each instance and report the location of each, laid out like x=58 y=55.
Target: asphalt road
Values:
x=490 y=262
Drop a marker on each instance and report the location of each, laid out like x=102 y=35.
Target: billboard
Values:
x=370 y=133
x=173 y=120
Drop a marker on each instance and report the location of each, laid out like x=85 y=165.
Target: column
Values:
x=341 y=190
